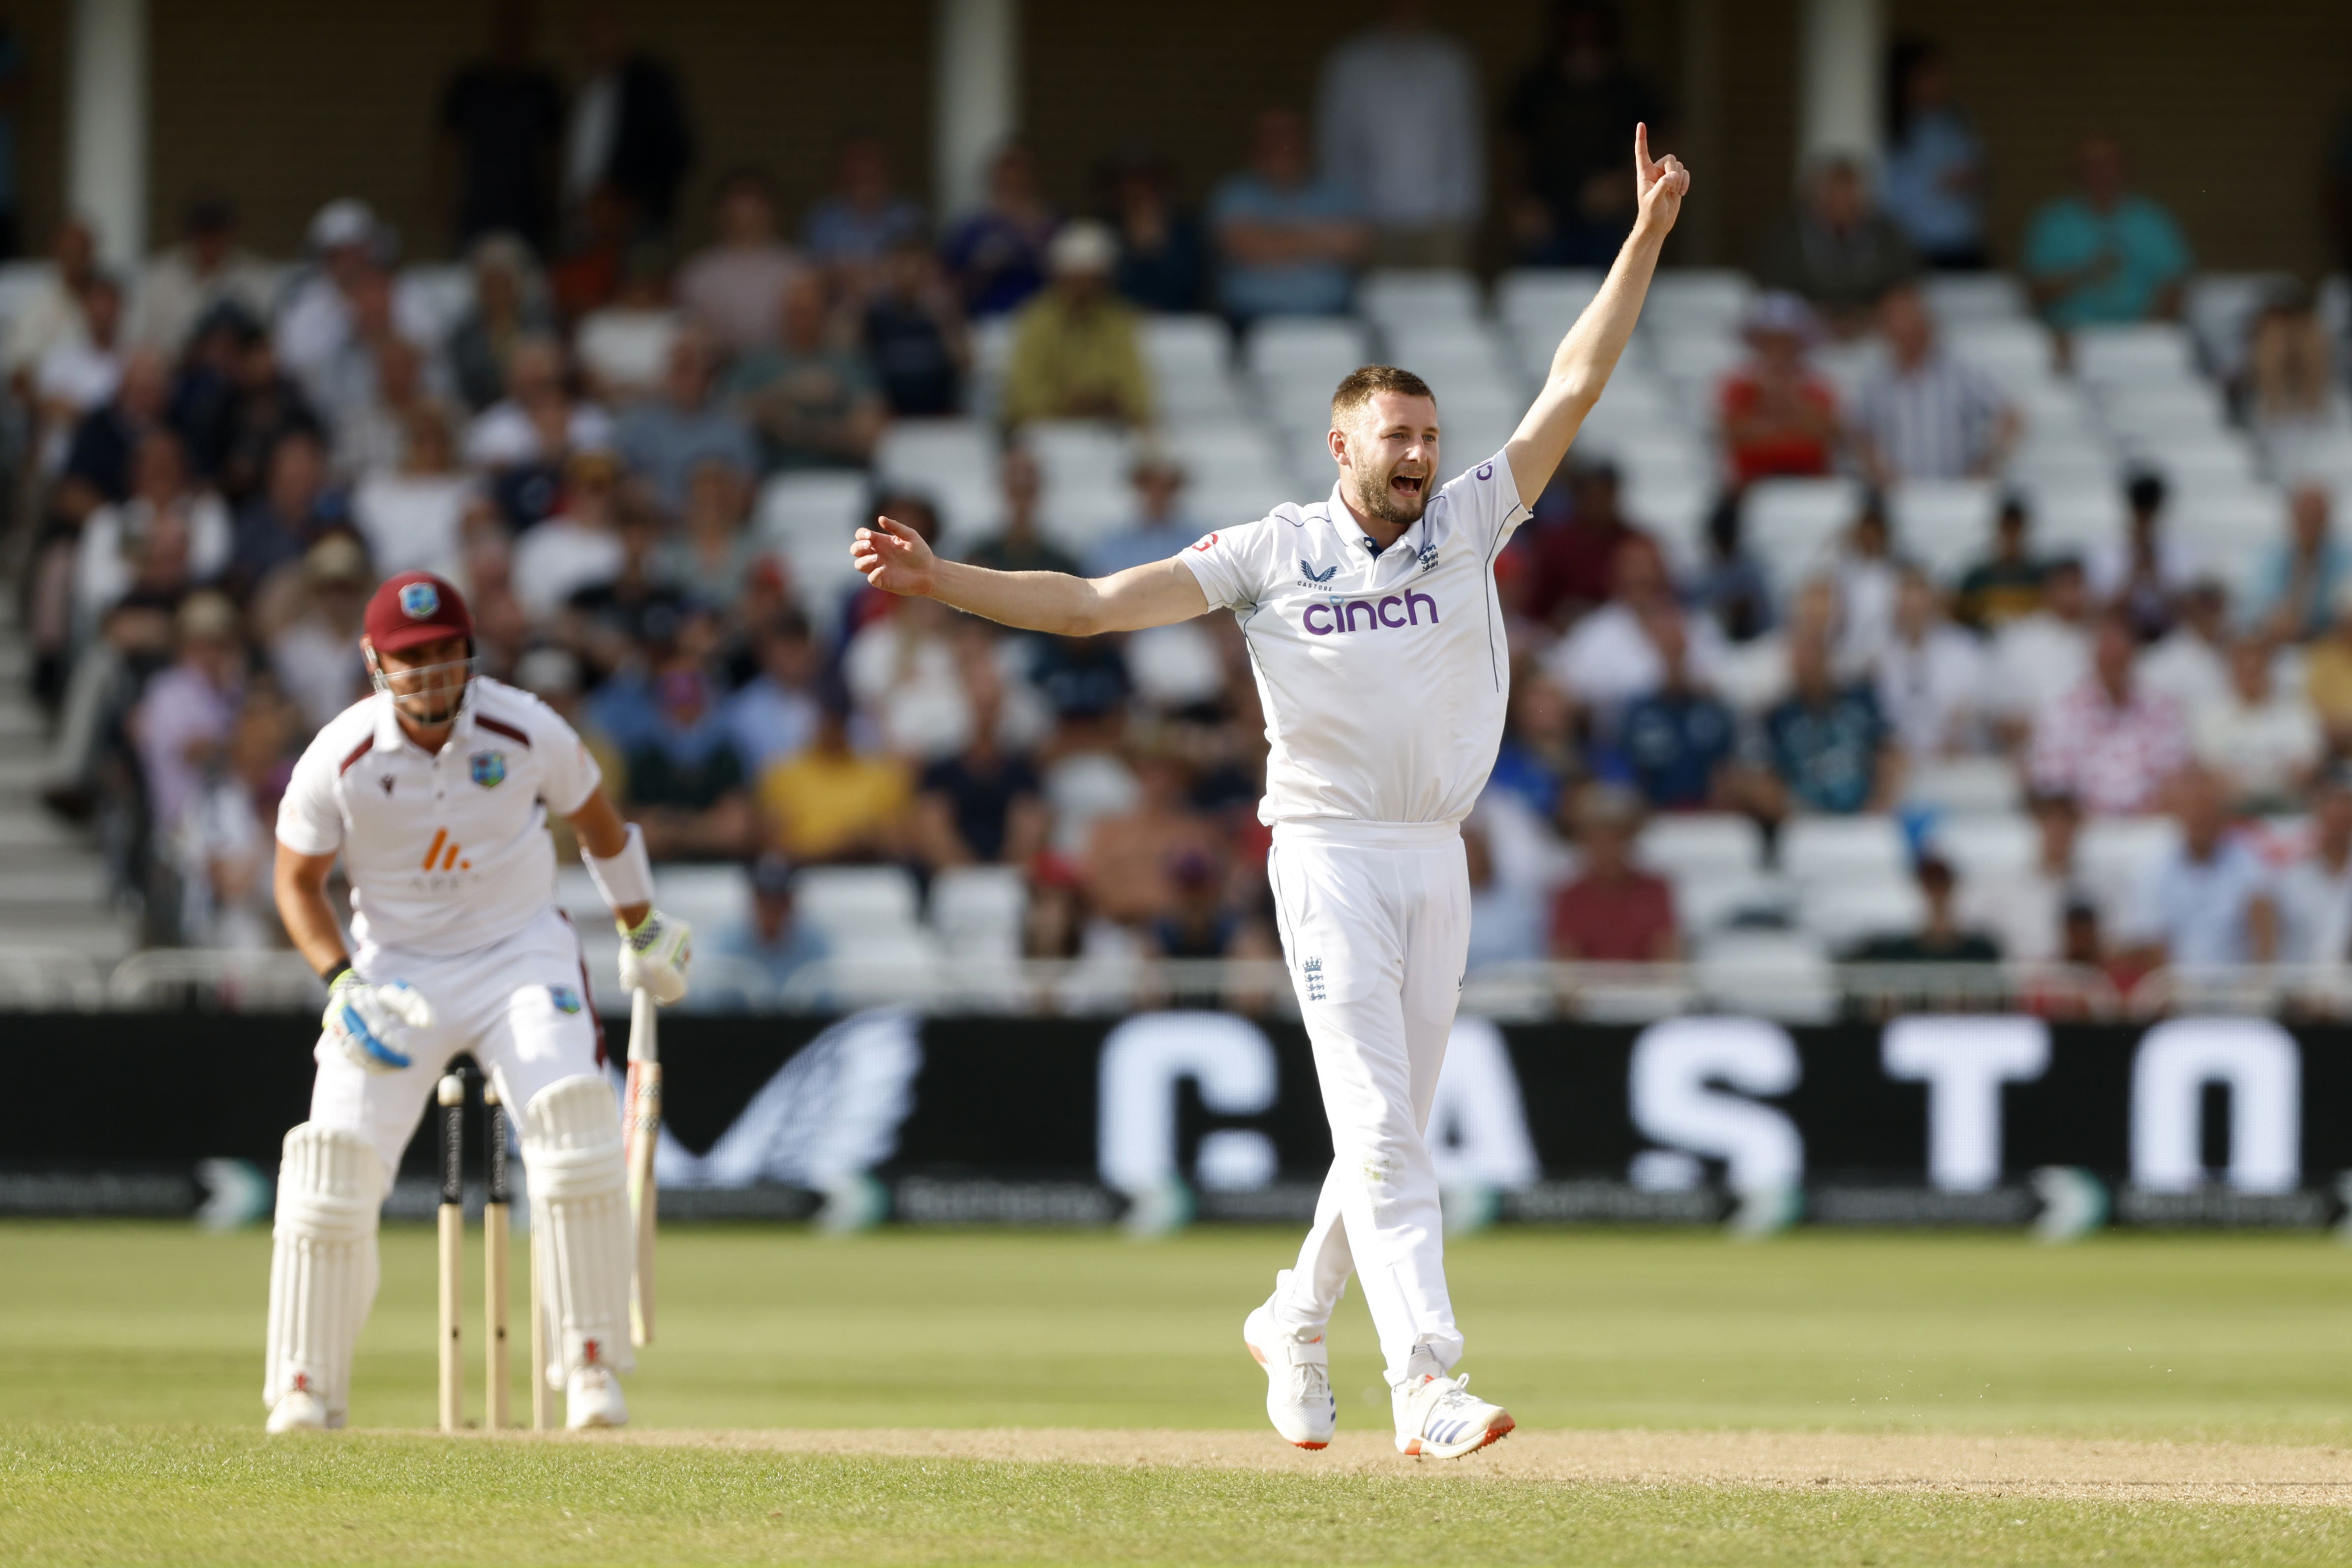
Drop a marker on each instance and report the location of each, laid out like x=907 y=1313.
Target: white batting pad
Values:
x=580 y=1221
x=322 y=1271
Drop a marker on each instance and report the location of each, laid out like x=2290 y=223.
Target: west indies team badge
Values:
x=489 y=768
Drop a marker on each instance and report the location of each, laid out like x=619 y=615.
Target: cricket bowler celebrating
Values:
x=436 y=793
x=1379 y=647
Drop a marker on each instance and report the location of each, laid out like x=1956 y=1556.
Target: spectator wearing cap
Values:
x=2006 y=583
x=2190 y=663
x=1779 y=416
x=116 y=540
x=733 y=286
x=2109 y=742
x=2105 y=254
x=509 y=307
x=864 y=218
x=830 y=804
x=293 y=512
x=1930 y=674
x=207 y=268
x=1941 y=938
x=913 y=331
x=1398 y=124
x=1076 y=349
x=686 y=784
x=1826 y=747
x=814 y=402
x=2314 y=890
x=2303 y=574
x=187 y=712
x=684 y=427
x=2208 y=900
x=1837 y=250
x=1159 y=527
x=773 y=939
x=1020 y=545
x=580 y=546
x=984 y=805
x=2143 y=575
x=1679 y=743
x=998 y=253
x=315 y=316
x=2039 y=657
x=1925 y=415
x=501 y=121
x=1163 y=261
x=1613 y=912
x=1288 y=243
x=2265 y=743
x=2025 y=910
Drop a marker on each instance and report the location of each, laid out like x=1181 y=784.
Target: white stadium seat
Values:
x=1847 y=913
x=1402 y=298
x=2076 y=513
x=713 y=900
x=1843 y=848
x=1944 y=524
x=1778 y=975
x=854 y=903
x=2112 y=852
x=1956 y=296
x=1686 y=298
x=1701 y=843
x=2141 y=351
x=1791 y=525
x=812 y=505
x=1191 y=375
x=1544 y=303
x=2010 y=352
x=934 y=454
x=1988 y=847
x=1967 y=786
x=1080 y=452
x=1306 y=348
x=2221 y=308
x=978 y=912
x=1706 y=902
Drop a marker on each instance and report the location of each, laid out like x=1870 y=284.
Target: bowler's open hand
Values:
x=894 y=557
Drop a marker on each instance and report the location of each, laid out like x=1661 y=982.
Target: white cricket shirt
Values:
x=1384 y=678
x=447 y=853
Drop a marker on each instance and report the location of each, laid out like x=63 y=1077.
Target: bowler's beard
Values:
x=1375 y=499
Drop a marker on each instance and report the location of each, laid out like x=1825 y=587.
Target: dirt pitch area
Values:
x=1989 y=1466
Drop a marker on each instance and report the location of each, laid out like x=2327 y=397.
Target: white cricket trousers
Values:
x=1376 y=929
x=520 y=1006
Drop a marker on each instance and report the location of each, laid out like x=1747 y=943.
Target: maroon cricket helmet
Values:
x=416 y=607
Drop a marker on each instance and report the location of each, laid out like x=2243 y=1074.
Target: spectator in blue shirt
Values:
x=1160 y=528
x=773 y=942
x=1675 y=744
x=864 y=218
x=1826 y=746
x=1933 y=184
x=665 y=437
x=997 y=255
x=2303 y=575
x=2104 y=255
x=2210 y=900
x=1289 y=241
x=1538 y=758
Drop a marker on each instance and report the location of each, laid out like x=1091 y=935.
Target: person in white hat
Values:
x=1076 y=353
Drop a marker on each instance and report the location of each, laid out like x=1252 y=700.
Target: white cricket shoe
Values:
x=299 y=1410
x=592 y=1397
x=1298 y=1377
x=1440 y=1417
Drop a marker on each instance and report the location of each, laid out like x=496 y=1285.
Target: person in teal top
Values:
x=2104 y=255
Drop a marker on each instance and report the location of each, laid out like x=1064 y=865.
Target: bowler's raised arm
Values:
x=896 y=559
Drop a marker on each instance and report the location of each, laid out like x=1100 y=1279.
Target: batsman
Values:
x=436 y=793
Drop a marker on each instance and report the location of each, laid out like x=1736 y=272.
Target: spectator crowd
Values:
x=220 y=456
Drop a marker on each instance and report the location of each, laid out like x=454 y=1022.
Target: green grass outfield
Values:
x=129 y=1377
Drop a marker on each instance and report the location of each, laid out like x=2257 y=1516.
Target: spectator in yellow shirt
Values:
x=829 y=803
x=1075 y=349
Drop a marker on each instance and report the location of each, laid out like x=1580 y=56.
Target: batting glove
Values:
x=377 y=1026
x=655 y=953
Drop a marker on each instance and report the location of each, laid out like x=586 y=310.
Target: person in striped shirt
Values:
x=1929 y=416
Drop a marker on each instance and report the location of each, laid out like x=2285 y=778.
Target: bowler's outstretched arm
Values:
x=1580 y=367
x=896 y=560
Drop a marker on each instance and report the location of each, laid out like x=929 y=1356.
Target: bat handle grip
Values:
x=641 y=1027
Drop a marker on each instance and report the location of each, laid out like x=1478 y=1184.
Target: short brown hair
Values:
x=1363 y=384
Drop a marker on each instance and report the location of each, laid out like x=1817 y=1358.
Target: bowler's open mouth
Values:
x=1406 y=484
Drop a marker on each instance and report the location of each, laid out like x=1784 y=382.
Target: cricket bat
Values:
x=640 y=1134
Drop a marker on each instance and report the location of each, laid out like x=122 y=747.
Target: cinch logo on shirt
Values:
x=1369 y=615
x=437 y=859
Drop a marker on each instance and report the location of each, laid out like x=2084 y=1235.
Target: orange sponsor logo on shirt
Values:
x=440 y=859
